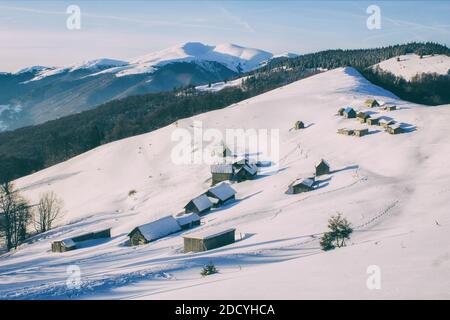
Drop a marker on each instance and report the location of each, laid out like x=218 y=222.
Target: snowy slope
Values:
x=92 y=65
x=411 y=64
x=221 y=85
x=393 y=189
x=234 y=57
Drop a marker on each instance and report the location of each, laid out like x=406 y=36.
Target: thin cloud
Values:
x=148 y=22
x=235 y=19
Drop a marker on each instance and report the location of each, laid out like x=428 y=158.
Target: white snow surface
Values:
x=394 y=189
x=411 y=64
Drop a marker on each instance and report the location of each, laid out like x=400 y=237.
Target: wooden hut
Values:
x=345 y=131
x=242 y=162
x=390 y=108
x=208 y=240
x=301 y=185
x=373 y=121
x=385 y=122
x=362 y=117
x=200 y=204
x=63 y=245
x=222 y=193
x=371 y=103
x=361 y=132
x=349 y=113
x=395 y=129
x=188 y=220
x=246 y=172
x=299 y=125
x=322 y=167
x=221 y=172
x=154 y=230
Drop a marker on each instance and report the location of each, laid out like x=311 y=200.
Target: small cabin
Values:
x=345 y=131
x=70 y=244
x=208 y=240
x=242 y=162
x=299 y=125
x=188 y=220
x=385 y=123
x=221 y=193
x=322 y=167
x=341 y=111
x=390 y=108
x=360 y=132
x=199 y=205
x=362 y=117
x=349 y=113
x=221 y=172
x=153 y=231
x=373 y=121
x=371 y=103
x=246 y=172
x=63 y=245
x=396 y=129
x=301 y=185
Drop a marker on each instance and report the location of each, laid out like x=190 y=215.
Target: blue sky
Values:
x=35 y=32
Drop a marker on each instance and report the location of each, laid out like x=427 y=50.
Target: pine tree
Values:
x=340 y=230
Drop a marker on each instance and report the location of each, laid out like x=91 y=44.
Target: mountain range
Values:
x=38 y=94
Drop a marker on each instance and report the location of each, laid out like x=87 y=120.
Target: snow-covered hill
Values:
x=393 y=188
x=407 y=66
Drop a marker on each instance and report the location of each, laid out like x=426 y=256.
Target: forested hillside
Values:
x=33 y=148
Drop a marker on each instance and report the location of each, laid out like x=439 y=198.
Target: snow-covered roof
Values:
x=324 y=161
x=206 y=234
x=222 y=191
x=304 y=181
x=348 y=109
x=250 y=168
x=187 y=218
x=387 y=121
x=68 y=243
x=159 y=228
x=202 y=202
x=222 y=168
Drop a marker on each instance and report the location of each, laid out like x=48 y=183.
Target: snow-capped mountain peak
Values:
x=232 y=56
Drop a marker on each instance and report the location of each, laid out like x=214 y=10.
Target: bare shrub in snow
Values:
x=49 y=209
